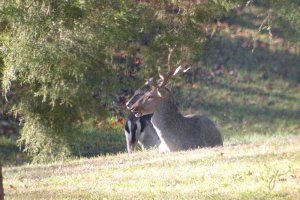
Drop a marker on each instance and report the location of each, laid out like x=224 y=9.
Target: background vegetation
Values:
x=67 y=68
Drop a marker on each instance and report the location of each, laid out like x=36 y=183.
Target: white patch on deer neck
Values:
x=163 y=147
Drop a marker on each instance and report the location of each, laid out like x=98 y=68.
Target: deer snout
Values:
x=128 y=105
x=136 y=111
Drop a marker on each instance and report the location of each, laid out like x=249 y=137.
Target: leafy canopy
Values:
x=66 y=60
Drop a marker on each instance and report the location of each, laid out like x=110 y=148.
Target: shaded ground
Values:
x=248 y=83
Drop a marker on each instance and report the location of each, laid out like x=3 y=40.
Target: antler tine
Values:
x=171 y=50
x=171 y=70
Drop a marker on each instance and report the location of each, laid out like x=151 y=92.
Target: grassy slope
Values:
x=251 y=85
x=262 y=170
x=253 y=96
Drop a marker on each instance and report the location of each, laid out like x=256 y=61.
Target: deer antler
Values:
x=171 y=70
x=171 y=50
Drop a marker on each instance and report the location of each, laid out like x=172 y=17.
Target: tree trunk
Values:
x=1 y=184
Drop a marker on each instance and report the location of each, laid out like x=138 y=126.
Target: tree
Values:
x=1 y=183
x=56 y=60
x=59 y=57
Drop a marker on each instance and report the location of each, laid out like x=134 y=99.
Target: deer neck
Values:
x=167 y=121
x=165 y=110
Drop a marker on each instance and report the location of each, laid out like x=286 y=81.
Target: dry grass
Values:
x=260 y=170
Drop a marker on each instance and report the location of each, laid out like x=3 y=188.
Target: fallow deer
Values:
x=176 y=132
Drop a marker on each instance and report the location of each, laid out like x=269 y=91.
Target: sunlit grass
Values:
x=256 y=108
x=258 y=170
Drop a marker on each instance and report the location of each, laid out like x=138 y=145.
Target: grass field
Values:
x=248 y=84
x=269 y=169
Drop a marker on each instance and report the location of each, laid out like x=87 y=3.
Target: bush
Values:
x=60 y=58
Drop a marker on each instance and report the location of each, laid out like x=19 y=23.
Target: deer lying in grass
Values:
x=176 y=132
x=139 y=130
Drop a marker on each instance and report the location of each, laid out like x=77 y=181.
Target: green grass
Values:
x=247 y=83
x=246 y=108
x=264 y=169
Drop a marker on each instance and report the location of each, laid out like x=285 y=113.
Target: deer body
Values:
x=148 y=137
x=178 y=132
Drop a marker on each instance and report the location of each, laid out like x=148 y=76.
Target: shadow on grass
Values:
x=240 y=112
x=239 y=53
x=255 y=15
x=92 y=142
x=247 y=20
x=251 y=91
x=262 y=61
x=235 y=47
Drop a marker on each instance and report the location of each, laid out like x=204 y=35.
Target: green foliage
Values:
x=66 y=61
x=59 y=58
x=56 y=58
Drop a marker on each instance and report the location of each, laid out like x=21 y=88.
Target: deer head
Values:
x=147 y=103
x=139 y=92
